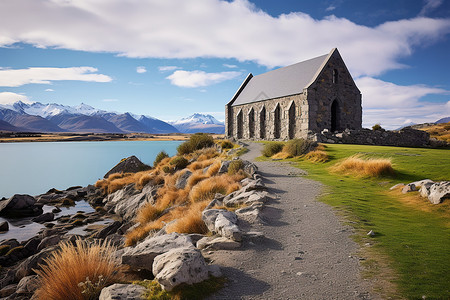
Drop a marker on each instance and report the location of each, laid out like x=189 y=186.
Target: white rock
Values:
x=217 y=243
x=144 y=253
x=439 y=191
x=180 y=265
x=122 y=292
x=222 y=222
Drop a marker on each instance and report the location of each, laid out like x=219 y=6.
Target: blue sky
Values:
x=172 y=58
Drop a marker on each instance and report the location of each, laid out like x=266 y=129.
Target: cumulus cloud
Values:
x=330 y=8
x=10 y=98
x=141 y=70
x=198 y=78
x=19 y=77
x=220 y=29
x=394 y=105
x=230 y=66
x=168 y=68
x=49 y=90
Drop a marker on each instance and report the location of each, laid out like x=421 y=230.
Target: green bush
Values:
x=235 y=166
x=196 y=141
x=161 y=155
x=167 y=170
x=226 y=144
x=297 y=147
x=179 y=162
x=377 y=127
x=272 y=148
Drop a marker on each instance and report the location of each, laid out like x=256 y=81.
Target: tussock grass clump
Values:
x=297 y=147
x=117 y=181
x=159 y=157
x=179 y=162
x=373 y=167
x=226 y=144
x=235 y=166
x=272 y=148
x=196 y=141
x=190 y=220
x=78 y=271
x=207 y=189
x=317 y=156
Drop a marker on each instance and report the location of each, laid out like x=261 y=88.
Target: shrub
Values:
x=196 y=141
x=235 y=166
x=78 y=271
x=161 y=155
x=226 y=144
x=272 y=148
x=179 y=162
x=297 y=147
x=364 y=167
x=167 y=170
x=377 y=127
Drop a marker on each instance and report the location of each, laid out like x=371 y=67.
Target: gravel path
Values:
x=307 y=252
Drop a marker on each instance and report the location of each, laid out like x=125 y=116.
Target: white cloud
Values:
x=429 y=6
x=10 y=98
x=230 y=66
x=330 y=8
x=110 y=100
x=49 y=90
x=221 y=29
x=168 y=68
x=141 y=70
x=19 y=77
x=394 y=105
x=198 y=78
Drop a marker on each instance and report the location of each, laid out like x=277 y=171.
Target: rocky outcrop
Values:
x=436 y=192
x=131 y=164
x=439 y=191
x=178 y=266
x=20 y=206
x=144 y=253
x=222 y=222
x=122 y=292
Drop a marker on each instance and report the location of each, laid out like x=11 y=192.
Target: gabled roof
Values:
x=281 y=82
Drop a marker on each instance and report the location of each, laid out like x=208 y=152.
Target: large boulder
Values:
x=144 y=253
x=182 y=179
x=131 y=164
x=123 y=292
x=222 y=222
x=20 y=206
x=178 y=266
x=237 y=198
x=439 y=191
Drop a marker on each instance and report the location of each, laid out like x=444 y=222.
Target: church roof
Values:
x=281 y=82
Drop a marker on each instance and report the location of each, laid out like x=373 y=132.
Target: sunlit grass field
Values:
x=409 y=256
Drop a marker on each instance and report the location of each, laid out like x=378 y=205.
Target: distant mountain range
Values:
x=38 y=117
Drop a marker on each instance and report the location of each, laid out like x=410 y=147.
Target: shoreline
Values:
x=93 y=137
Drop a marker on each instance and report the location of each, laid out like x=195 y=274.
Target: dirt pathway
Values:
x=307 y=252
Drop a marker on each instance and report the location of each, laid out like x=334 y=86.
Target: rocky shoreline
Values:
x=173 y=258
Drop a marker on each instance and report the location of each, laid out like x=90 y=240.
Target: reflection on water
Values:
x=23 y=229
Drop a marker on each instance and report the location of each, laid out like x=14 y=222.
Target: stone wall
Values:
x=324 y=91
x=403 y=138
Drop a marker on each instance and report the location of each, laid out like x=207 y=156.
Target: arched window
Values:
x=291 y=121
x=262 y=123
x=335 y=116
x=335 y=76
x=277 y=122
x=251 y=123
x=240 y=125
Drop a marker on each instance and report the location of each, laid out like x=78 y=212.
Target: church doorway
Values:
x=291 y=120
x=251 y=123
x=277 y=122
x=262 y=123
x=240 y=125
x=335 y=116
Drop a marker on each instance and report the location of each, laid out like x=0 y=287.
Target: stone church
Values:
x=295 y=101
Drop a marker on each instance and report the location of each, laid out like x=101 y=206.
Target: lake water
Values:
x=34 y=168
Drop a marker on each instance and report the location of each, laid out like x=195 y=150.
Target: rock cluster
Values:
x=436 y=192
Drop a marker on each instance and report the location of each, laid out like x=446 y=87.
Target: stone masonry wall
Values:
x=323 y=92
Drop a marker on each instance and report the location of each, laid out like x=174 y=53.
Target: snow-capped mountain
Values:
x=53 y=117
x=199 y=123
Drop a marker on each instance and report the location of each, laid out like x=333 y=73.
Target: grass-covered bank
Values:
x=411 y=234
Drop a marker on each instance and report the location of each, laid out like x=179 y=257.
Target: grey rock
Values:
x=410 y=187
x=182 y=180
x=27 y=285
x=11 y=242
x=4 y=226
x=249 y=167
x=122 y=292
x=144 y=253
x=26 y=267
x=8 y=290
x=439 y=191
x=222 y=222
x=180 y=266
x=47 y=217
x=107 y=230
x=236 y=199
x=217 y=243
x=131 y=164
x=425 y=189
x=252 y=213
x=214 y=271
x=20 y=206
x=49 y=241
x=224 y=166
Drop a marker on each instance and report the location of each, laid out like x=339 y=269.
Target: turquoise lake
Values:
x=34 y=168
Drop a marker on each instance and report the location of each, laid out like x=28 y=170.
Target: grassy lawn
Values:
x=412 y=235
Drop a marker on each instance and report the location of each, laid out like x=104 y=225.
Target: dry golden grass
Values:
x=195 y=178
x=321 y=147
x=358 y=166
x=439 y=131
x=148 y=213
x=191 y=220
x=117 y=181
x=281 y=155
x=141 y=232
x=60 y=279
x=317 y=156
x=207 y=189
x=214 y=169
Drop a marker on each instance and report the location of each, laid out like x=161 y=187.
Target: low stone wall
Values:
x=403 y=138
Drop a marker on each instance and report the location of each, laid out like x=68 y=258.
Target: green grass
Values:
x=412 y=235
